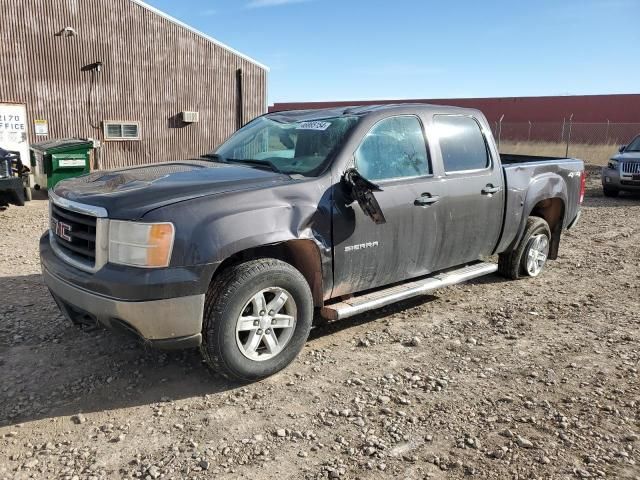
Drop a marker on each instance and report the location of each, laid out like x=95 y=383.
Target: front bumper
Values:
x=614 y=179
x=168 y=323
x=165 y=322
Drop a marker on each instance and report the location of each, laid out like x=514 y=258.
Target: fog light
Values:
x=607 y=179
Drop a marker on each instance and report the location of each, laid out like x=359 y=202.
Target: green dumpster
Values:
x=56 y=160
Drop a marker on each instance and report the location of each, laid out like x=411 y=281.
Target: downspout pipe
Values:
x=240 y=97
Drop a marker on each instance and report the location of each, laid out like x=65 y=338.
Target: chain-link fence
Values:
x=592 y=142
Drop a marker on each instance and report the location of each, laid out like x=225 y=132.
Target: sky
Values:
x=320 y=50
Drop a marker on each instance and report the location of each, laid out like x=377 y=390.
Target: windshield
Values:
x=634 y=146
x=287 y=146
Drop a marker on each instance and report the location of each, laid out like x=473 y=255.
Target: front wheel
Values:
x=530 y=256
x=257 y=318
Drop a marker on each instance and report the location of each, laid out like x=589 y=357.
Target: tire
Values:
x=18 y=196
x=610 y=192
x=235 y=294
x=513 y=264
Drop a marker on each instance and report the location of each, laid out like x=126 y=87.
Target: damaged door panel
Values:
x=368 y=254
x=362 y=191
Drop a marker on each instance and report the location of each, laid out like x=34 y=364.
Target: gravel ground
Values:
x=497 y=379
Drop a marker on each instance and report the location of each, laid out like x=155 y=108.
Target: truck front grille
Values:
x=75 y=234
x=631 y=167
x=78 y=233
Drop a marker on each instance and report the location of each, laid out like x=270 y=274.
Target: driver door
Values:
x=394 y=156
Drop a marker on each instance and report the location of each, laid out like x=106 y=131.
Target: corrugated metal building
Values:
x=122 y=72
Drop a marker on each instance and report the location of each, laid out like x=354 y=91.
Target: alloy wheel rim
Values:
x=537 y=253
x=266 y=324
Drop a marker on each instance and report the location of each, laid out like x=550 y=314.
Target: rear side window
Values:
x=394 y=148
x=461 y=143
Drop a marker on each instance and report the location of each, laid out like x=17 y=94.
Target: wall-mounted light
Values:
x=93 y=67
x=67 y=32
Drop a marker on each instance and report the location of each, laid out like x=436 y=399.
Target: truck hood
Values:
x=131 y=192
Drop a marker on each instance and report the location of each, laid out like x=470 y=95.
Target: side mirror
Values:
x=361 y=190
x=622 y=148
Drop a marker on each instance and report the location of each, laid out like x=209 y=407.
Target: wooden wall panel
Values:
x=153 y=69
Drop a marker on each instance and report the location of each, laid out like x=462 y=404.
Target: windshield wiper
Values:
x=214 y=156
x=256 y=163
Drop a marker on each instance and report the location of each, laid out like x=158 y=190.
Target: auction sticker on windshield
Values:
x=313 y=126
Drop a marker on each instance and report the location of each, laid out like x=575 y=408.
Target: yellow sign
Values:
x=42 y=127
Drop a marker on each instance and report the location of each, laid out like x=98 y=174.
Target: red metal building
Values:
x=585 y=108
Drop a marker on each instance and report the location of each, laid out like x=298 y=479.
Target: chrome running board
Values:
x=380 y=298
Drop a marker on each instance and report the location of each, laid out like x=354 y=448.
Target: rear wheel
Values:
x=257 y=319
x=530 y=256
x=610 y=192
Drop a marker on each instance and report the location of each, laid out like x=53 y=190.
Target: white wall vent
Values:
x=120 y=131
x=190 y=117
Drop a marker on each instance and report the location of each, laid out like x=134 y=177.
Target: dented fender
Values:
x=530 y=184
x=212 y=229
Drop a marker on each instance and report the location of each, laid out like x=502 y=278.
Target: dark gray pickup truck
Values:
x=335 y=212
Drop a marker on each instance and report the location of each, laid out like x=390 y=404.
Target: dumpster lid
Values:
x=62 y=145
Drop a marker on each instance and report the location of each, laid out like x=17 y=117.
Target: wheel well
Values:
x=301 y=254
x=552 y=210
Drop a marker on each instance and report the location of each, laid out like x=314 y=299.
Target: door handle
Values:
x=490 y=189
x=425 y=200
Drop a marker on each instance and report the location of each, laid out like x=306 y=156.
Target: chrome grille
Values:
x=631 y=167
x=78 y=233
x=75 y=234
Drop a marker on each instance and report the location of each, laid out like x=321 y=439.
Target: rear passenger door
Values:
x=474 y=198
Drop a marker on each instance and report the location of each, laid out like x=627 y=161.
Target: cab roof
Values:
x=365 y=110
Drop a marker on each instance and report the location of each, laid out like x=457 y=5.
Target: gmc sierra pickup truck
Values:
x=334 y=211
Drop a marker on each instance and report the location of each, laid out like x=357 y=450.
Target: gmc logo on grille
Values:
x=61 y=229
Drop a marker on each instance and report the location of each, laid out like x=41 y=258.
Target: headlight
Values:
x=613 y=164
x=140 y=244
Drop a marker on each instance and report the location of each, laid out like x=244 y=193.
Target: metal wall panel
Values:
x=152 y=70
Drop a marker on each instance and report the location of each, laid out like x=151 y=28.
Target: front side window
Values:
x=287 y=144
x=461 y=143
x=394 y=148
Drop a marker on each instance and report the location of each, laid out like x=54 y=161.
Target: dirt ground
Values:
x=527 y=379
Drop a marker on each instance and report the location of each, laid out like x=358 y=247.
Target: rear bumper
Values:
x=575 y=221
